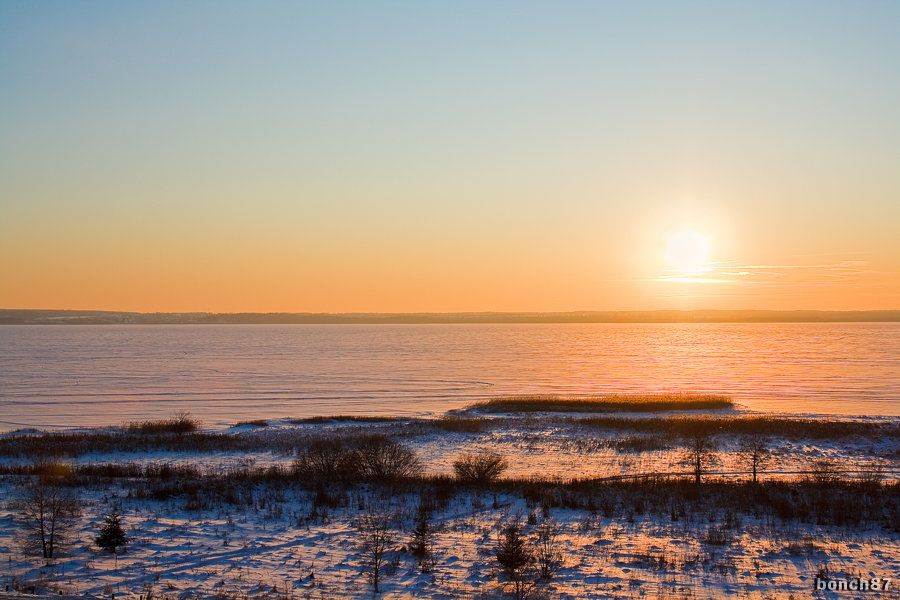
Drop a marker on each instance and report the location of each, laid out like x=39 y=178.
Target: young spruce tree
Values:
x=112 y=535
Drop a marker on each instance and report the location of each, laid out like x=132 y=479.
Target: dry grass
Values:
x=745 y=425
x=603 y=404
x=461 y=424
x=178 y=423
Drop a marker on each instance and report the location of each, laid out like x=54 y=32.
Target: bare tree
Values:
x=48 y=508
x=514 y=557
x=479 y=468
x=699 y=452
x=376 y=538
x=754 y=453
x=547 y=549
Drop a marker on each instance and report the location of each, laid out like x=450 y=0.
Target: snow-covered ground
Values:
x=282 y=546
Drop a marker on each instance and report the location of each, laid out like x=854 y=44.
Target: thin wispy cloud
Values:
x=747 y=276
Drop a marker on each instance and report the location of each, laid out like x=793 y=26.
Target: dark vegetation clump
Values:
x=359 y=457
x=79 y=443
x=605 y=404
x=254 y=423
x=635 y=444
x=846 y=503
x=345 y=419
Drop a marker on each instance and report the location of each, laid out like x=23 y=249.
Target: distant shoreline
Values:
x=80 y=317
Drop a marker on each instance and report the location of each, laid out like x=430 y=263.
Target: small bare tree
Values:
x=514 y=557
x=547 y=549
x=754 y=453
x=482 y=467
x=376 y=538
x=699 y=452
x=48 y=508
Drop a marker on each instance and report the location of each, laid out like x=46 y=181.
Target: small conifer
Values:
x=112 y=535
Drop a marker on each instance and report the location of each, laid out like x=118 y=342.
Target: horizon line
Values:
x=101 y=317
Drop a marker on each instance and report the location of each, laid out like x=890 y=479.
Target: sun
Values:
x=686 y=250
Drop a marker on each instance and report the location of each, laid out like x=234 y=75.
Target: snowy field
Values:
x=290 y=540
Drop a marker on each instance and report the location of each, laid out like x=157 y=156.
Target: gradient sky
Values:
x=455 y=156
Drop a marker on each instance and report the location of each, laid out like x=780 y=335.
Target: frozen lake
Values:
x=69 y=376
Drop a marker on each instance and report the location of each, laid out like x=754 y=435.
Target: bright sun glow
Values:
x=686 y=250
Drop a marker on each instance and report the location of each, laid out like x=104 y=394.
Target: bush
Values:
x=379 y=458
x=365 y=457
x=322 y=458
x=717 y=536
x=548 y=554
x=824 y=472
x=479 y=468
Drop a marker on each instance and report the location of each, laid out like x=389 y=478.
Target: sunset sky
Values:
x=453 y=156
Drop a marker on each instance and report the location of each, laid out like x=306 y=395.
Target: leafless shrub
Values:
x=482 y=467
x=717 y=536
x=321 y=458
x=872 y=475
x=366 y=457
x=547 y=550
x=805 y=548
x=380 y=458
x=824 y=472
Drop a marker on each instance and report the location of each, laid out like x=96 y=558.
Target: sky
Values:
x=449 y=156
